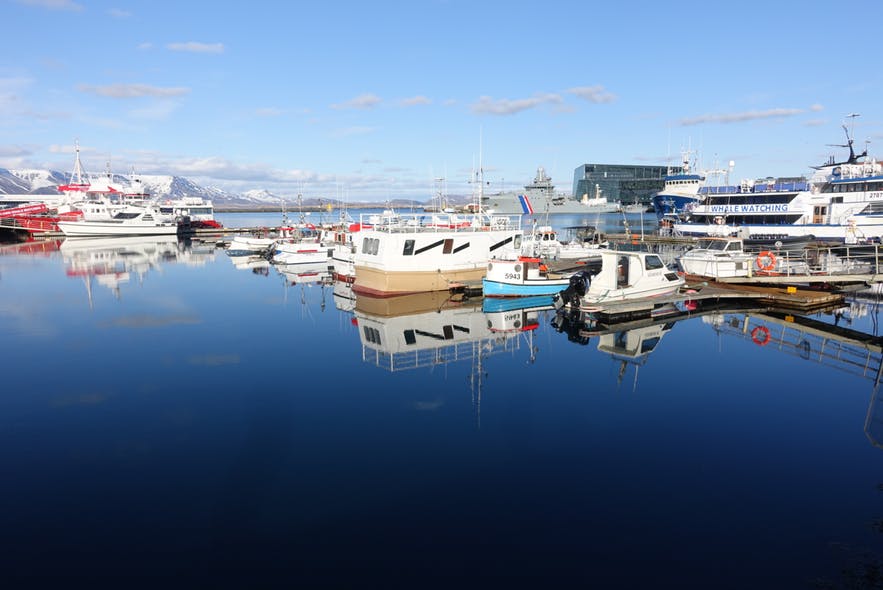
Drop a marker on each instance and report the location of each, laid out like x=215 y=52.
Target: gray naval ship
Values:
x=539 y=198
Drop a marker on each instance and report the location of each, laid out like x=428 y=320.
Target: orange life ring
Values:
x=766 y=260
x=760 y=335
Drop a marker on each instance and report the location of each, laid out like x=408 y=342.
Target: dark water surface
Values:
x=170 y=420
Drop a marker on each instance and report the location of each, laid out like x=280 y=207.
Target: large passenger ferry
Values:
x=842 y=201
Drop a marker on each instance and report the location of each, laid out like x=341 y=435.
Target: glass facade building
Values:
x=620 y=182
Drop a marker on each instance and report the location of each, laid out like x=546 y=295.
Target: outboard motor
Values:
x=578 y=286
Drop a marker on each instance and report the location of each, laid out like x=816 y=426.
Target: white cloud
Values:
x=196 y=47
x=414 y=101
x=145 y=46
x=363 y=101
x=119 y=13
x=504 y=106
x=53 y=4
x=741 y=117
x=132 y=90
x=596 y=94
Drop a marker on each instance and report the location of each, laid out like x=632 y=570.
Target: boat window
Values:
x=653 y=262
x=517 y=242
x=409 y=248
x=449 y=246
x=715 y=245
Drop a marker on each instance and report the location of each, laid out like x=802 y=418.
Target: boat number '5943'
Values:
x=513 y=276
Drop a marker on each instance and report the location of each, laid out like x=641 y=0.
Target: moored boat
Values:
x=539 y=197
x=130 y=221
x=412 y=253
x=842 y=202
x=624 y=276
x=526 y=276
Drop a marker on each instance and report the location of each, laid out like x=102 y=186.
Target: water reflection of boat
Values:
x=313 y=273
x=257 y=264
x=633 y=347
x=112 y=261
x=423 y=330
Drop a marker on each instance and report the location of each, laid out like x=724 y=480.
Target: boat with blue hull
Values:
x=527 y=276
x=680 y=191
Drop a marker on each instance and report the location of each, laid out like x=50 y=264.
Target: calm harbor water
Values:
x=168 y=418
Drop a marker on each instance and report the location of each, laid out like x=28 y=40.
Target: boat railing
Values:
x=811 y=340
x=756 y=188
x=438 y=222
x=818 y=260
x=430 y=357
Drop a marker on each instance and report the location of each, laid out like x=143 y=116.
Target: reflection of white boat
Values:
x=254 y=263
x=637 y=277
x=112 y=261
x=633 y=347
x=344 y=298
x=316 y=272
x=423 y=330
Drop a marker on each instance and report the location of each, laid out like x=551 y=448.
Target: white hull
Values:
x=408 y=258
x=111 y=228
x=865 y=227
x=297 y=253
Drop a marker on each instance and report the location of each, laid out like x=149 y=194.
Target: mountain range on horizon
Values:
x=46 y=182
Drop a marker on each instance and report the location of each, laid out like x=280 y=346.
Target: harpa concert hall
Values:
x=622 y=183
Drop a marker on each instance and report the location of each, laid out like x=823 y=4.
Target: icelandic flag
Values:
x=526 y=207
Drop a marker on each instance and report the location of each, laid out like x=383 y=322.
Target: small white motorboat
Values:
x=718 y=258
x=625 y=276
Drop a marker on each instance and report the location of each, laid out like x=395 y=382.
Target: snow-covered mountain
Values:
x=45 y=182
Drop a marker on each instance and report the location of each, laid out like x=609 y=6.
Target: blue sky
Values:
x=366 y=100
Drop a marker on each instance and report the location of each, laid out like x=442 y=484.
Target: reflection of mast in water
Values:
x=632 y=347
x=427 y=330
x=874 y=417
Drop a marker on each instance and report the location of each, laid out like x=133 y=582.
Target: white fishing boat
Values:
x=298 y=253
x=543 y=241
x=129 y=221
x=624 y=276
x=414 y=253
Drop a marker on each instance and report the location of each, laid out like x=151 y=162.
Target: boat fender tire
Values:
x=760 y=335
x=766 y=260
